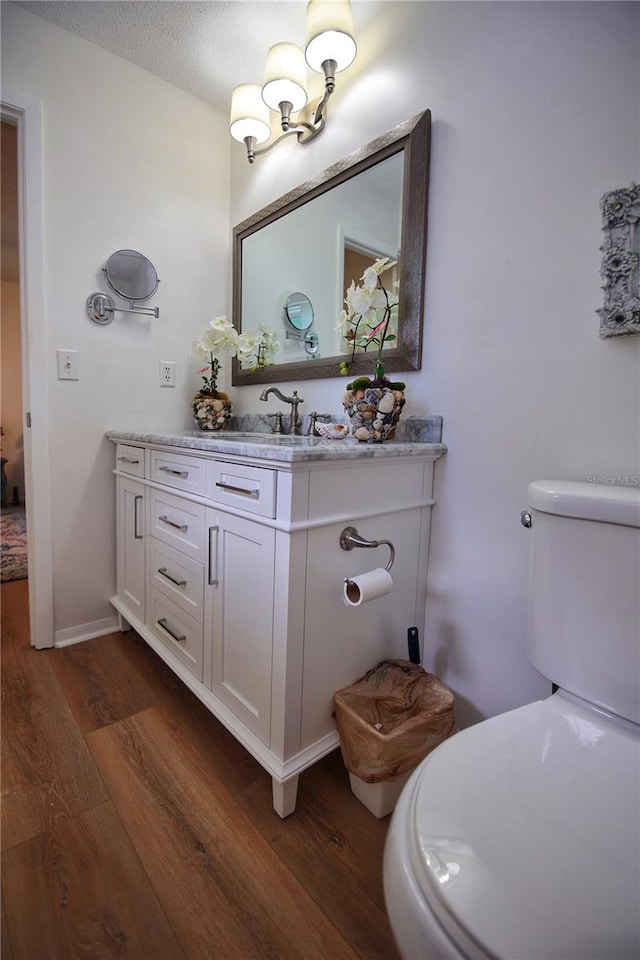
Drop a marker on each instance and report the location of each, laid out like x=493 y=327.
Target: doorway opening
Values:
x=13 y=530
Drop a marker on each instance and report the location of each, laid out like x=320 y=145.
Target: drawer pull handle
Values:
x=247 y=493
x=183 y=527
x=136 y=535
x=162 y=622
x=174 y=473
x=163 y=572
x=128 y=460
x=213 y=557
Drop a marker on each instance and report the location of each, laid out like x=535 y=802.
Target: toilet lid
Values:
x=526 y=834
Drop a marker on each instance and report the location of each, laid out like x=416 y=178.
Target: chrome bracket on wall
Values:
x=101 y=308
x=350 y=538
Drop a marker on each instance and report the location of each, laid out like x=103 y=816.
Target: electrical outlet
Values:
x=167 y=372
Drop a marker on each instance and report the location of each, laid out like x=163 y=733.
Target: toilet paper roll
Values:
x=367 y=586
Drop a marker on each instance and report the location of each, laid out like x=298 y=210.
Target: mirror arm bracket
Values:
x=146 y=311
x=101 y=308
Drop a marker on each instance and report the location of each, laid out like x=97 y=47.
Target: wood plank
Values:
x=334 y=846
x=226 y=893
x=111 y=678
x=79 y=891
x=14 y=599
x=101 y=683
x=6 y=948
x=47 y=768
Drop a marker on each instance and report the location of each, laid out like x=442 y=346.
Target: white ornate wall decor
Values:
x=620 y=270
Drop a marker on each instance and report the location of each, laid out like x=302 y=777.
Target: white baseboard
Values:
x=85 y=631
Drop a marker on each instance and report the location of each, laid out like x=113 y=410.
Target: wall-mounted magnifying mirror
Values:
x=299 y=314
x=131 y=275
x=299 y=311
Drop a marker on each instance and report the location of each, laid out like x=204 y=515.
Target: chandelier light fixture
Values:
x=330 y=48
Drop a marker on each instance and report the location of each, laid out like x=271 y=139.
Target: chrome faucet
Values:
x=294 y=400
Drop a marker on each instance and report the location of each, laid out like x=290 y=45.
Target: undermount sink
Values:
x=274 y=439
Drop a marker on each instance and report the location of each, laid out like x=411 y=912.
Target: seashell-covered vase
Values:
x=373 y=411
x=211 y=411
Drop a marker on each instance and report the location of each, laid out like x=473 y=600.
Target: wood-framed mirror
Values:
x=316 y=238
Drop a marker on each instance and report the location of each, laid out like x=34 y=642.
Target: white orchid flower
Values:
x=249 y=341
x=220 y=323
x=342 y=324
x=371 y=274
x=270 y=344
x=358 y=300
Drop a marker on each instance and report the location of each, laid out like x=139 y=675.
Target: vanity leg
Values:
x=123 y=625
x=284 y=796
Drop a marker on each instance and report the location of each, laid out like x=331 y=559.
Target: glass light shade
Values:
x=330 y=34
x=285 y=77
x=249 y=114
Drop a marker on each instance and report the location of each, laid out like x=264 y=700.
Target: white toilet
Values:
x=519 y=838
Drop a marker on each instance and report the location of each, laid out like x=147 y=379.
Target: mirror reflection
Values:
x=299 y=311
x=131 y=275
x=320 y=238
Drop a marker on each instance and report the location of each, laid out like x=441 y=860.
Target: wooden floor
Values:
x=134 y=825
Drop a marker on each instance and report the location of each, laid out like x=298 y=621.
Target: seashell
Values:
x=377 y=424
x=362 y=433
x=332 y=431
x=386 y=403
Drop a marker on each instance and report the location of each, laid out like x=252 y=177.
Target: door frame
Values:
x=26 y=112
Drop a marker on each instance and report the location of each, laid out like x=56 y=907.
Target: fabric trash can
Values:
x=388 y=721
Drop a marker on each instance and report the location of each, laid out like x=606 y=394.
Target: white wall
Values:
x=129 y=161
x=535 y=115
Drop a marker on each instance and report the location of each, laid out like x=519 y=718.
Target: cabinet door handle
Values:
x=229 y=486
x=174 y=473
x=136 y=535
x=128 y=460
x=213 y=557
x=178 y=583
x=162 y=622
x=183 y=527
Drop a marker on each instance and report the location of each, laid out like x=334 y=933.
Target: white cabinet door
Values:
x=240 y=616
x=131 y=545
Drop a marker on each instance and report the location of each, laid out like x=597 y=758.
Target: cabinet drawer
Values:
x=252 y=489
x=177 y=576
x=130 y=459
x=179 y=523
x=179 y=471
x=179 y=632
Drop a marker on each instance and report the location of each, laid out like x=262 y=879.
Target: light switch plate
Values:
x=68 y=365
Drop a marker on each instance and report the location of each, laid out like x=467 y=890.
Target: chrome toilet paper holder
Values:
x=350 y=538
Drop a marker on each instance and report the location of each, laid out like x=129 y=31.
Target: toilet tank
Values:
x=584 y=591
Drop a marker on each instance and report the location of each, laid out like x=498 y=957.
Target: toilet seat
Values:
x=498 y=839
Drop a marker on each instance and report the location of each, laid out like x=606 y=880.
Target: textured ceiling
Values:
x=204 y=48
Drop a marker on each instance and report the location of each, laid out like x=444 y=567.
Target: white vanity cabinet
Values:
x=230 y=567
x=130 y=498
x=240 y=617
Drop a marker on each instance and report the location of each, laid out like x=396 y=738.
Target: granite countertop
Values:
x=292 y=449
